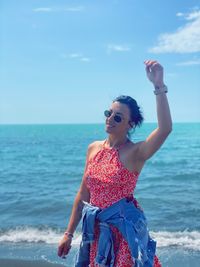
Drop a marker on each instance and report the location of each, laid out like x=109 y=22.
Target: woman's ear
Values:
x=132 y=124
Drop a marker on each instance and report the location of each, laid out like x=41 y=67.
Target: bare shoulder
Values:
x=95 y=144
x=93 y=148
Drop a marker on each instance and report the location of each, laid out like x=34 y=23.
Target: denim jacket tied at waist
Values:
x=132 y=224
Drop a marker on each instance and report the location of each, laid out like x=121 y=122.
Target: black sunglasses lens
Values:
x=107 y=113
x=117 y=118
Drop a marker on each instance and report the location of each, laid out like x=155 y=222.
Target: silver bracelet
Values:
x=160 y=90
x=69 y=234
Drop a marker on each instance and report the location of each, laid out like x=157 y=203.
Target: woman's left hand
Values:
x=154 y=72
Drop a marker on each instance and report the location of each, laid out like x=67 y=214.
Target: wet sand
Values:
x=169 y=257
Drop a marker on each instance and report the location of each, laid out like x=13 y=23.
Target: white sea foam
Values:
x=34 y=235
x=185 y=239
x=30 y=235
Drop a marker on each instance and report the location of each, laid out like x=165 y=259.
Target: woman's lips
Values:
x=111 y=126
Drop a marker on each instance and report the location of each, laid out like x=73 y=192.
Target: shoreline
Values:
x=169 y=257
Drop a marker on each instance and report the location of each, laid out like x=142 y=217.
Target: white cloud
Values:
x=59 y=9
x=179 y=14
x=74 y=9
x=185 y=39
x=189 y=63
x=193 y=15
x=117 y=48
x=85 y=59
x=76 y=56
x=43 y=9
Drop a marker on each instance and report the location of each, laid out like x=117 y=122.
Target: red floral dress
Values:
x=108 y=181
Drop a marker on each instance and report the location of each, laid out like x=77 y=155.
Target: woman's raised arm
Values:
x=154 y=141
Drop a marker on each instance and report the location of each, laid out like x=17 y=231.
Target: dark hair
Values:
x=136 y=113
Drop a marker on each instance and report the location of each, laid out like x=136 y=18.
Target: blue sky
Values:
x=64 y=61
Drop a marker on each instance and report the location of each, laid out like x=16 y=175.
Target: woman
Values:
x=113 y=166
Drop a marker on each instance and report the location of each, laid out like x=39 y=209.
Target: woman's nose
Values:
x=111 y=118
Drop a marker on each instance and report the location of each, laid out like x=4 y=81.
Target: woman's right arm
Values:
x=76 y=214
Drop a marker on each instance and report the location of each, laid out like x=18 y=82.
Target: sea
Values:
x=41 y=167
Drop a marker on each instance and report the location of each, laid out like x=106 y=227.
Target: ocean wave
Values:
x=30 y=235
x=184 y=239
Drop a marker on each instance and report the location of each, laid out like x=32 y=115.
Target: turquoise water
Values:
x=41 y=167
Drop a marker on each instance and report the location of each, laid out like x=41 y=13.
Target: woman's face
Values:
x=114 y=127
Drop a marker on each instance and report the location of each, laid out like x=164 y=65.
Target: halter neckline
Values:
x=115 y=148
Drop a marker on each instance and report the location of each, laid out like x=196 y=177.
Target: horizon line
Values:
x=78 y=123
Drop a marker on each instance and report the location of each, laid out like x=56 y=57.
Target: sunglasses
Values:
x=108 y=113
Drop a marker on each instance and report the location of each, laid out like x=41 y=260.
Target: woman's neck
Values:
x=113 y=141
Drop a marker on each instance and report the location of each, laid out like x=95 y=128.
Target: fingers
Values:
x=151 y=64
x=63 y=250
x=66 y=250
x=60 y=251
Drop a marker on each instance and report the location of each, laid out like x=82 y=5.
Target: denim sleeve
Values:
x=88 y=222
x=83 y=255
x=105 y=252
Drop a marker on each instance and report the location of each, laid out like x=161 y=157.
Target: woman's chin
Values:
x=109 y=129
